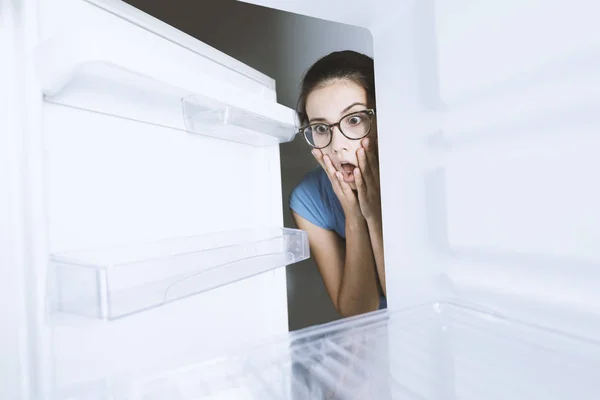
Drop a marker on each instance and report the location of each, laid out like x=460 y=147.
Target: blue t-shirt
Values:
x=314 y=200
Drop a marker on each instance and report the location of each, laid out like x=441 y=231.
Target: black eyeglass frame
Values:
x=370 y=113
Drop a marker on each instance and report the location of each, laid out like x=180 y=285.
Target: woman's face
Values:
x=328 y=104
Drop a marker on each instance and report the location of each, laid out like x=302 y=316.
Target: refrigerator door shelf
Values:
x=433 y=351
x=108 y=284
x=206 y=116
x=106 y=88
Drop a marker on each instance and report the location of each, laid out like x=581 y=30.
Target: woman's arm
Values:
x=376 y=236
x=369 y=196
x=348 y=271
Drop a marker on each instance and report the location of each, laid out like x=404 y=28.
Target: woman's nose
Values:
x=338 y=140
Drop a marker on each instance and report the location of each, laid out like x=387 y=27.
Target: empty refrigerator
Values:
x=489 y=146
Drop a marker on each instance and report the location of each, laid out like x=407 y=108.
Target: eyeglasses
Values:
x=353 y=126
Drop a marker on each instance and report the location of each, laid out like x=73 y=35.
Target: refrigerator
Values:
x=142 y=238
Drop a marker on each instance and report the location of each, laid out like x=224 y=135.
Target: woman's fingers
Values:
x=361 y=189
x=370 y=150
x=345 y=187
x=340 y=187
x=333 y=176
x=365 y=168
x=360 y=185
x=330 y=168
x=319 y=157
x=325 y=163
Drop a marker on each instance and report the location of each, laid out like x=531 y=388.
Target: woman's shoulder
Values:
x=309 y=199
x=312 y=185
x=315 y=178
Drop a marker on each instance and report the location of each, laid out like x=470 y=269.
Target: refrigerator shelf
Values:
x=207 y=116
x=112 y=89
x=112 y=283
x=434 y=351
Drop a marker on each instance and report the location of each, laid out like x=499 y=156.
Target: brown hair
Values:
x=346 y=64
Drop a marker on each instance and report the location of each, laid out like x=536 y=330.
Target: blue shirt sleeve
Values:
x=306 y=200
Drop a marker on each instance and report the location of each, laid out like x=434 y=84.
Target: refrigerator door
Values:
x=488 y=124
x=134 y=147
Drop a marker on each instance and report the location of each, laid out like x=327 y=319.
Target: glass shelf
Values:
x=112 y=283
x=435 y=351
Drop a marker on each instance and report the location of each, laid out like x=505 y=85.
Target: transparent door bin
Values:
x=437 y=351
x=207 y=116
x=106 y=88
x=116 y=282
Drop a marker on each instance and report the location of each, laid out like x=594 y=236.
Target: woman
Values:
x=338 y=204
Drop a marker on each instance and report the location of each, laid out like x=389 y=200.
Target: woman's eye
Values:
x=354 y=120
x=321 y=129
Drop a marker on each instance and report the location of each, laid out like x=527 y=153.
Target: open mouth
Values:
x=348 y=171
x=348 y=168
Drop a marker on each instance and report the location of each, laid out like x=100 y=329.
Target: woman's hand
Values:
x=342 y=189
x=367 y=181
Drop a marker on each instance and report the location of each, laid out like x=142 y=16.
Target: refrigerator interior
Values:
x=488 y=123
x=162 y=195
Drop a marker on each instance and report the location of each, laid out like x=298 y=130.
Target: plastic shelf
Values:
x=207 y=116
x=86 y=74
x=116 y=282
x=438 y=351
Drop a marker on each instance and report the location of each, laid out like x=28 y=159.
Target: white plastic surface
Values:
x=488 y=129
x=438 y=351
x=116 y=282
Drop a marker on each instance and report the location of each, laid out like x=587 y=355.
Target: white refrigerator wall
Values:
x=111 y=181
x=520 y=126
